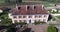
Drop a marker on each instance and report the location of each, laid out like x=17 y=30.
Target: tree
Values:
x=54 y=1
x=5 y=19
x=7 y=1
x=51 y=29
x=18 y=1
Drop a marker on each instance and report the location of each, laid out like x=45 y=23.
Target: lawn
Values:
x=48 y=5
x=58 y=17
x=51 y=28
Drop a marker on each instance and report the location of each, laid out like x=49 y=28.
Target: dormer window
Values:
x=28 y=7
x=34 y=7
x=19 y=7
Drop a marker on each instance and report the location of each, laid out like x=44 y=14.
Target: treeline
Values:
x=53 y=1
x=13 y=1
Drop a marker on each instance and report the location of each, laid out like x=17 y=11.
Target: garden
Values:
x=5 y=21
x=39 y=22
x=21 y=23
x=53 y=12
x=51 y=28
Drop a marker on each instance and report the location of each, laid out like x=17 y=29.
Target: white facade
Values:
x=44 y=17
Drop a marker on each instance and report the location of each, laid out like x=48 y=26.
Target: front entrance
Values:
x=29 y=21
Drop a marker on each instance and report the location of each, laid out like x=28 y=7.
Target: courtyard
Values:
x=38 y=28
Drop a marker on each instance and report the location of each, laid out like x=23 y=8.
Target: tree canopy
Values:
x=54 y=1
x=13 y=1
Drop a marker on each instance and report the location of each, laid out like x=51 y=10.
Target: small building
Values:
x=1 y=11
x=28 y=14
x=54 y=10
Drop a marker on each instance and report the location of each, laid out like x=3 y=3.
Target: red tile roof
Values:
x=23 y=11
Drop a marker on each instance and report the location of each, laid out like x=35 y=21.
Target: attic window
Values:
x=34 y=7
x=28 y=7
x=19 y=7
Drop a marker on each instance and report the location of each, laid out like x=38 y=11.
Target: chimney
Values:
x=42 y=7
x=17 y=7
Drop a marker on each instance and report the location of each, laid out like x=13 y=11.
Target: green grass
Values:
x=2 y=1
x=51 y=29
x=58 y=17
x=47 y=5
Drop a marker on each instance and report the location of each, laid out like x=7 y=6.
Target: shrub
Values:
x=22 y=23
x=39 y=23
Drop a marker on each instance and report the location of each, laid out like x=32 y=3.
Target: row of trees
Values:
x=13 y=1
x=19 y=1
x=55 y=1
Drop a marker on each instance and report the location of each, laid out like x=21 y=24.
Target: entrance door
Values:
x=29 y=21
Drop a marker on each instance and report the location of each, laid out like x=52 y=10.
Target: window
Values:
x=30 y=16
x=15 y=21
x=44 y=15
x=20 y=20
x=28 y=7
x=24 y=16
x=34 y=7
x=35 y=16
x=20 y=16
x=24 y=20
x=19 y=7
x=39 y=16
x=14 y=16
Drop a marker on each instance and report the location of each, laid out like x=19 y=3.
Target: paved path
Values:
x=58 y=27
x=57 y=20
x=56 y=14
x=38 y=28
x=54 y=7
